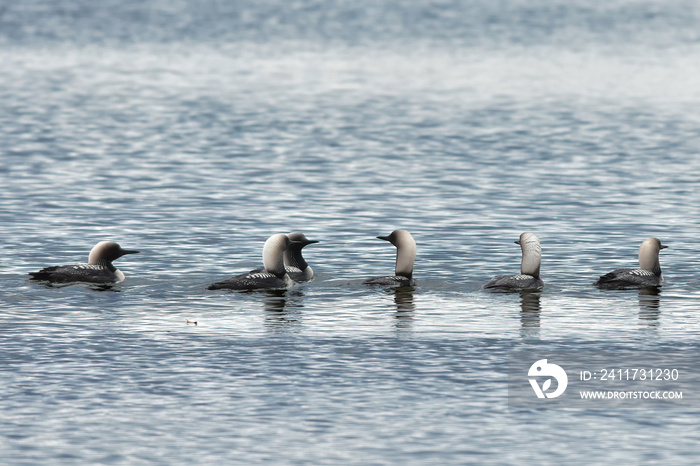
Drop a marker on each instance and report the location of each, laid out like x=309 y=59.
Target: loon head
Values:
x=405 y=251
x=649 y=255
x=298 y=241
x=107 y=251
x=272 y=253
x=532 y=254
x=292 y=255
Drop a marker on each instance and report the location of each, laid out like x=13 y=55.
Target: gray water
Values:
x=193 y=130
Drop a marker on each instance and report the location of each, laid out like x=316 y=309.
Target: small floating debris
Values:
x=191 y=321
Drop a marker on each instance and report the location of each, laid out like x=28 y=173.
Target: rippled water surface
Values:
x=194 y=130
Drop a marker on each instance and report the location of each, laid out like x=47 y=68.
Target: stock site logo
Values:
x=542 y=369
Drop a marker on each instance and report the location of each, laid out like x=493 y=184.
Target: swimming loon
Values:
x=99 y=268
x=529 y=277
x=273 y=276
x=405 y=257
x=648 y=274
x=294 y=264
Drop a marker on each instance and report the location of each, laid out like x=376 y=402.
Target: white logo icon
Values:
x=542 y=369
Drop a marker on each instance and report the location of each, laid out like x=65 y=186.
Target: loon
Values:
x=294 y=264
x=647 y=275
x=529 y=277
x=99 y=268
x=405 y=257
x=273 y=276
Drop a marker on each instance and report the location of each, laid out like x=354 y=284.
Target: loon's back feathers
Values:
x=511 y=282
x=252 y=281
x=392 y=280
x=99 y=268
x=624 y=278
x=76 y=273
x=295 y=273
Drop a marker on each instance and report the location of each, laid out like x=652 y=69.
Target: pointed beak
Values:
x=312 y=241
x=517 y=242
x=385 y=238
x=129 y=251
x=663 y=246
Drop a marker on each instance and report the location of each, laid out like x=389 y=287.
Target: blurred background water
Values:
x=193 y=130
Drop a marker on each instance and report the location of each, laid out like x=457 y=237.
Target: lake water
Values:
x=193 y=130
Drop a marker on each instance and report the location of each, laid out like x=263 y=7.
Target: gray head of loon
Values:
x=107 y=251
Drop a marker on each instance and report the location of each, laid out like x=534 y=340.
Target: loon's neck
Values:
x=107 y=264
x=293 y=258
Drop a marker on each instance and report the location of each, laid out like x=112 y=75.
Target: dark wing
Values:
x=75 y=273
x=496 y=282
x=250 y=281
x=393 y=280
x=627 y=278
x=514 y=282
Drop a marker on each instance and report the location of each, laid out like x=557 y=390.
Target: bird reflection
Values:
x=649 y=309
x=114 y=287
x=278 y=316
x=530 y=314
x=405 y=308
